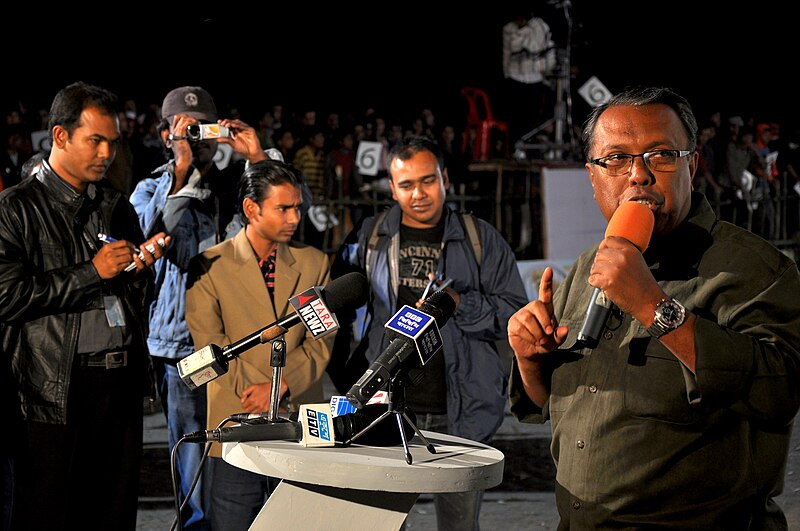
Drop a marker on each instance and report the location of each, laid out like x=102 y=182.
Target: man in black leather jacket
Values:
x=72 y=320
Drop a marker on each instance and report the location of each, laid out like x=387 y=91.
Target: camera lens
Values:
x=193 y=132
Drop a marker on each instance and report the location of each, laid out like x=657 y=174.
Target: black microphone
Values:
x=415 y=339
x=633 y=221
x=314 y=307
x=280 y=430
x=596 y=316
x=316 y=427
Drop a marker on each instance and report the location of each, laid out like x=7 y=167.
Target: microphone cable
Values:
x=173 y=459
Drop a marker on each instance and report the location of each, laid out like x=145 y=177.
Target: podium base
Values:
x=303 y=506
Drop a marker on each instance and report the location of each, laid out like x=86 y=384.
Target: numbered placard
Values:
x=368 y=157
x=594 y=92
x=40 y=140
x=223 y=155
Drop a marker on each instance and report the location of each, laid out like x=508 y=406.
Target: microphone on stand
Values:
x=633 y=221
x=415 y=339
x=314 y=308
x=314 y=426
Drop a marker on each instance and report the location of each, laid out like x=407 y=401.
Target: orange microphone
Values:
x=633 y=221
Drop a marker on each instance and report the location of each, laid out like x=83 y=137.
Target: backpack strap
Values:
x=372 y=243
x=470 y=225
x=474 y=235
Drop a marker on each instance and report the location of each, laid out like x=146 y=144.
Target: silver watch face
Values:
x=671 y=313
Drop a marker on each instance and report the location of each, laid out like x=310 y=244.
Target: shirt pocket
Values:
x=566 y=380
x=654 y=385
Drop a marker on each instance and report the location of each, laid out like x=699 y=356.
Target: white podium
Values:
x=361 y=487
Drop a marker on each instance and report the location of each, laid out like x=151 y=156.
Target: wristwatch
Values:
x=669 y=315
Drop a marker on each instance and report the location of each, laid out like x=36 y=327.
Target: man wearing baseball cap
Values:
x=193 y=200
x=192 y=101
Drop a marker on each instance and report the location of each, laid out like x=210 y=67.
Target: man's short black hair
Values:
x=258 y=178
x=70 y=102
x=410 y=146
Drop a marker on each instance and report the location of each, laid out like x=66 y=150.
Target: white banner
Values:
x=572 y=219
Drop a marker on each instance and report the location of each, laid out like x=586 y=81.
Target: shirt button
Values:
x=576 y=504
x=608 y=335
x=581 y=445
x=592 y=388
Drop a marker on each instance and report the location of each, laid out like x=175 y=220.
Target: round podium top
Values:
x=458 y=464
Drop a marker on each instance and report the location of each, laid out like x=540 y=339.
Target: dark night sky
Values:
x=401 y=58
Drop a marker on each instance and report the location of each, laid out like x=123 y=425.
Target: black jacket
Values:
x=45 y=284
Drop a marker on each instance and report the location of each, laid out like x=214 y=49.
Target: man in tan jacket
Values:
x=238 y=287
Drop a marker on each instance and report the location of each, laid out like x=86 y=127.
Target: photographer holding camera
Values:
x=192 y=200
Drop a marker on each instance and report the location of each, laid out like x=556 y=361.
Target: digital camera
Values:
x=197 y=132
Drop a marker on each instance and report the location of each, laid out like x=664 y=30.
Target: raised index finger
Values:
x=546 y=286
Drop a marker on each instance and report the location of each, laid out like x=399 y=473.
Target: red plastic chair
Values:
x=480 y=130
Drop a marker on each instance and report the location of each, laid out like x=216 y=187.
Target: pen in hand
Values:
x=108 y=239
x=432 y=284
x=428 y=287
x=443 y=285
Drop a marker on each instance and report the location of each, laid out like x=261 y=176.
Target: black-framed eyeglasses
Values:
x=620 y=164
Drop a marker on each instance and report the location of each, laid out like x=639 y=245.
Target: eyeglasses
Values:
x=620 y=164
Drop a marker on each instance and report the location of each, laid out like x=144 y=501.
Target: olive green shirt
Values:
x=638 y=440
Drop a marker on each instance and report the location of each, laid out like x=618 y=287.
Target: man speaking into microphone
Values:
x=239 y=286
x=679 y=416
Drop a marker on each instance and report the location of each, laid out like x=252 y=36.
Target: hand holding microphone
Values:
x=632 y=221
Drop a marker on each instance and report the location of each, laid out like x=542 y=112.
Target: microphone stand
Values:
x=397 y=407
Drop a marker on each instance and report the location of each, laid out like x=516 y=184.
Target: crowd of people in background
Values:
x=748 y=170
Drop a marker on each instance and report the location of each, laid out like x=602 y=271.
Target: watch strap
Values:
x=657 y=329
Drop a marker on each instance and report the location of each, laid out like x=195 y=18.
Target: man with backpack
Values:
x=461 y=390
